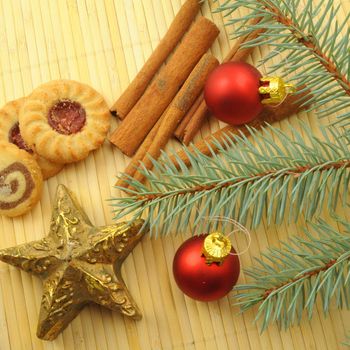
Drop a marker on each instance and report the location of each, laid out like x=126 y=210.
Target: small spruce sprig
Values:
x=287 y=282
x=313 y=45
x=274 y=174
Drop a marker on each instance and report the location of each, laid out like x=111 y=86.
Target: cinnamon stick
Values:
x=195 y=123
x=180 y=130
x=164 y=128
x=190 y=126
x=140 y=154
x=135 y=127
x=176 y=31
x=291 y=105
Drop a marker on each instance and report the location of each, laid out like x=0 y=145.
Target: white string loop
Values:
x=237 y=228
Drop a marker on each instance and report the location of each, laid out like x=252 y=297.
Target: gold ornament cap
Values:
x=216 y=247
x=274 y=90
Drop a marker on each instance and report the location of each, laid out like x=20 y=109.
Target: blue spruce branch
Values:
x=273 y=175
x=315 y=46
x=294 y=277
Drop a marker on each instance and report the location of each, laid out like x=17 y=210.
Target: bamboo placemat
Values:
x=104 y=43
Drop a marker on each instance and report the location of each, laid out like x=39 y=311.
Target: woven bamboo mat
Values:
x=104 y=43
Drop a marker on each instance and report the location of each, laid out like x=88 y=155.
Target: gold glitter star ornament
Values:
x=79 y=264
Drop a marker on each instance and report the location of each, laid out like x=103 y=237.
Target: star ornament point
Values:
x=78 y=263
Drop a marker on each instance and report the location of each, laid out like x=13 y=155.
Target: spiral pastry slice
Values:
x=10 y=132
x=64 y=120
x=21 y=180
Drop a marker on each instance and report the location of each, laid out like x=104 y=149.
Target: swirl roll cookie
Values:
x=21 y=180
x=10 y=132
x=64 y=120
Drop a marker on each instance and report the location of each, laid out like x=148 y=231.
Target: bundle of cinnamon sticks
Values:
x=166 y=97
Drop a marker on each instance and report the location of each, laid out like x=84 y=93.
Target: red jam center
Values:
x=15 y=137
x=67 y=117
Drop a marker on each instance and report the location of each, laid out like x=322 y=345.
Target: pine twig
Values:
x=309 y=42
x=246 y=178
x=315 y=47
x=272 y=174
x=296 y=275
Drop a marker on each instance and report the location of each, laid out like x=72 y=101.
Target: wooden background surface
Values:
x=104 y=43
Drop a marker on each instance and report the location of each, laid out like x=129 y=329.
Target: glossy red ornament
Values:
x=199 y=280
x=232 y=93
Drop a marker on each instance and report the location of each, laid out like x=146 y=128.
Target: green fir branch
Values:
x=247 y=178
x=296 y=276
x=315 y=46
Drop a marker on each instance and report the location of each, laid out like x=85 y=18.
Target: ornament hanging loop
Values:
x=290 y=88
x=217 y=246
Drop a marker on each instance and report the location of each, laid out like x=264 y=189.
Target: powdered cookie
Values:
x=64 y=120
x=9 y=132
x=21 y=180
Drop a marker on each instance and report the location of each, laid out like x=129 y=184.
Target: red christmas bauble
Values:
x=232 y=93
x=200 y=280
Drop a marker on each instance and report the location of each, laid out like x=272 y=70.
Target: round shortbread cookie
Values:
x=21 y=180
x=64 y=120
x=9 y=132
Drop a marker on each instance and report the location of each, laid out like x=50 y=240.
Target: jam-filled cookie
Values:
x=64 y=120
x=21 y=180
x=9 y=131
